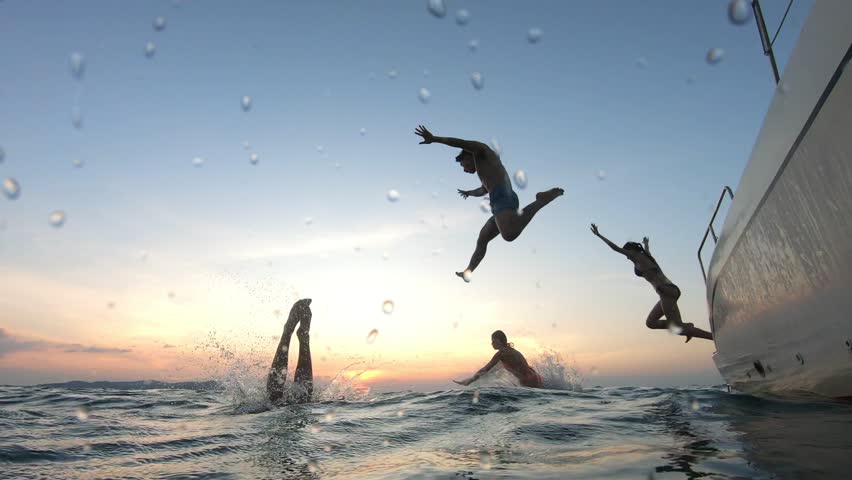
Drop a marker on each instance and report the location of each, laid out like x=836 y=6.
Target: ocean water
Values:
x=492 y=432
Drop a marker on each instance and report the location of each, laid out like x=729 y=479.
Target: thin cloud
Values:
x=10 y=343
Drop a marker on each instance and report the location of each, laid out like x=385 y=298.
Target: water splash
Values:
x=556 y=373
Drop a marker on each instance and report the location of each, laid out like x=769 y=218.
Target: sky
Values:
x=171 y=268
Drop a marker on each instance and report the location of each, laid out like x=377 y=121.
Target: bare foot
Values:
x=549 y=195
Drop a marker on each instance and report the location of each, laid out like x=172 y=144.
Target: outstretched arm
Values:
x=469 y=145
x=606 y=240
x=479 y=192
x=482 y=371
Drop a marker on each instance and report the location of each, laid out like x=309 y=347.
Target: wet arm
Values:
x=612 y=245
x=479 y=192
x=482 y=371
x=470 y=145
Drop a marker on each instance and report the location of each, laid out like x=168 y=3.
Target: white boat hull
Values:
x=779 y=286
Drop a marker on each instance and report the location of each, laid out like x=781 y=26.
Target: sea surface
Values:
x=195 y=432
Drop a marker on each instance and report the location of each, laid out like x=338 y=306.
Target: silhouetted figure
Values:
x=303 y=379
x=506 y=220
x=512 y=361
x=645 y=266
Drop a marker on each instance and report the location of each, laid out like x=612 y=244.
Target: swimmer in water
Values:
x=506 y=220
x=303 y=379
x=512 y=361
x=645 y=266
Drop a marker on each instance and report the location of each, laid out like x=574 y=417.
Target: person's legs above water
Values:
x=655 y=318
x=668 y=300
x=489 y=232
x=511 y=223
x=278 y=371
x=303 y=379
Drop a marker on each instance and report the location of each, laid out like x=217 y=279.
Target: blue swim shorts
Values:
x=503 y=198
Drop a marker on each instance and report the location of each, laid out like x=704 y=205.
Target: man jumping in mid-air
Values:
x=506 y=220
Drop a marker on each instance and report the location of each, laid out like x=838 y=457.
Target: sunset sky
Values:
x=163 y=269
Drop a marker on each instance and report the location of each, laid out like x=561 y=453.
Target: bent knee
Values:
x=509 y=236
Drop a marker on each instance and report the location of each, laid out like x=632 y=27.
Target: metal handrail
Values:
x=710 y=230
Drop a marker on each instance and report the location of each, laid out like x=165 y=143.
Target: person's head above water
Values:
x=499 y=340
x=466 y=161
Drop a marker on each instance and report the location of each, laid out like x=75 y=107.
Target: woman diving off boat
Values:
x=645 y=266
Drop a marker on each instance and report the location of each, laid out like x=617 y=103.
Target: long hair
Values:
x=499 y=335
x=637 y=247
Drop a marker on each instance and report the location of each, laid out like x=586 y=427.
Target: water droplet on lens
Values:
x=314 y=429
x=477 y=80
x=424 y=95
x=245 y=103
x=160 y=23
x=11 y=188
x=467 y=275
x=76 y=118
x=475 y=398
x=695 y=405
x=313 y=466
x=485 y=206
x=362 y=132
x=2 y=155
x=495 y=145
x=437 y=8
x=77 y=163
x=309 y=221
x=538 y=284
x=714 y=55
x=385 y=256
x=371 y=337
x=78 y=65
x=57 y=218
x=521 y=179
x=400 y=413
x=83 y=412
x=387 y=307
x=534 y=35
x=329 y=415
x=150 y=49
x=253 y=158
x=326 y=449
x=393 y=196
x=462 y=17
x=675 y=329
x=385 y=443
x=87 y=448
x=392 y=74
x=197 y=161
x=110 y=305
x=642 y=62
x=739 y=12
x=473 y=45
x=485 y=460
x=601 y=175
